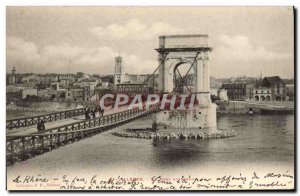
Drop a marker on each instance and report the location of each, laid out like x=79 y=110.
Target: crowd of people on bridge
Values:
x=89 y=113
x=92 y=112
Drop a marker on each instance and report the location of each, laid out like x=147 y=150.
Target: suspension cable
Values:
x=156 y=68
x=192 y=64
x=178 y=72
x=182 y=81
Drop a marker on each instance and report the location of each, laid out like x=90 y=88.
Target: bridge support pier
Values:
x=192 y=50
x=197 y=118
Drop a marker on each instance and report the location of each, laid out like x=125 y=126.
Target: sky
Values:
x=245 y=40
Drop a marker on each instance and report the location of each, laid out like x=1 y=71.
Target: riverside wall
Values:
x=234 y=108
x=43 y=106
x=243 y=107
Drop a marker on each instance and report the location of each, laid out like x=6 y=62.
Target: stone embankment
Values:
x=30 y=109
x=146 y=134
x=42 y=106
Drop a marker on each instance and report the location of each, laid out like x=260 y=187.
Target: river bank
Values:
x=263 y=107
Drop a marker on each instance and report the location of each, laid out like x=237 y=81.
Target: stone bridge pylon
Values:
x=193 y=51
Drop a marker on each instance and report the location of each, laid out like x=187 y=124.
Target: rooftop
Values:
x=89 y=80
x=74 y=87
x=274 y=79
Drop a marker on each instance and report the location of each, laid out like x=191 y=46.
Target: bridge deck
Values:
x=50 y=117
x=22 y=147
x=49 y=125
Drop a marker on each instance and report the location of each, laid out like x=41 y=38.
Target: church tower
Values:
x=13 y=71
x=119 y=76
x=12 y=77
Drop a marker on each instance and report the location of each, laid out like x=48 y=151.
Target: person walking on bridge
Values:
x=94 y=113
x=39 y=128
x=43 y=125
x=101 y=111
x=87 y=114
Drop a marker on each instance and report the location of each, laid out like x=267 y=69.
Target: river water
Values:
x=262 y=142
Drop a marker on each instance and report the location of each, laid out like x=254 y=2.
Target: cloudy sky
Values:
x=246 y=41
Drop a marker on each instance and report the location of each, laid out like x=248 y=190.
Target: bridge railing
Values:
x=29 y=121
x=103 y=120
x=23 y=147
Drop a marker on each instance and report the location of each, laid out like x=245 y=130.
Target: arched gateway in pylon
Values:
x=175 y=50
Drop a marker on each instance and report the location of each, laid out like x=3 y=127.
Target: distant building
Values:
x=215 y=83
x=40 y=79
x=44 y=94
x=87 y=93
x=104 y=84
x=262 y=94
x=41 y=86
x=222 y=94
x=47 y=78
x=28 y=92
x=75 y=93
x=131 y=89
x=136 y=78
x=30 y=79
x=278 y=87
x=238 y=91
x=100 y=91
x=148 y=79
x=57 y=95
x=92 y=83
x=13 y=77
x=119 y=76
x=13 y=88
x=214 y=91
x=13 y=91
x=290 y=91
x=55 y=86
x=66 y=79
x=108 y=78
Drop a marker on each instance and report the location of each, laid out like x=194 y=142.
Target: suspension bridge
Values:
x=173 y=52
